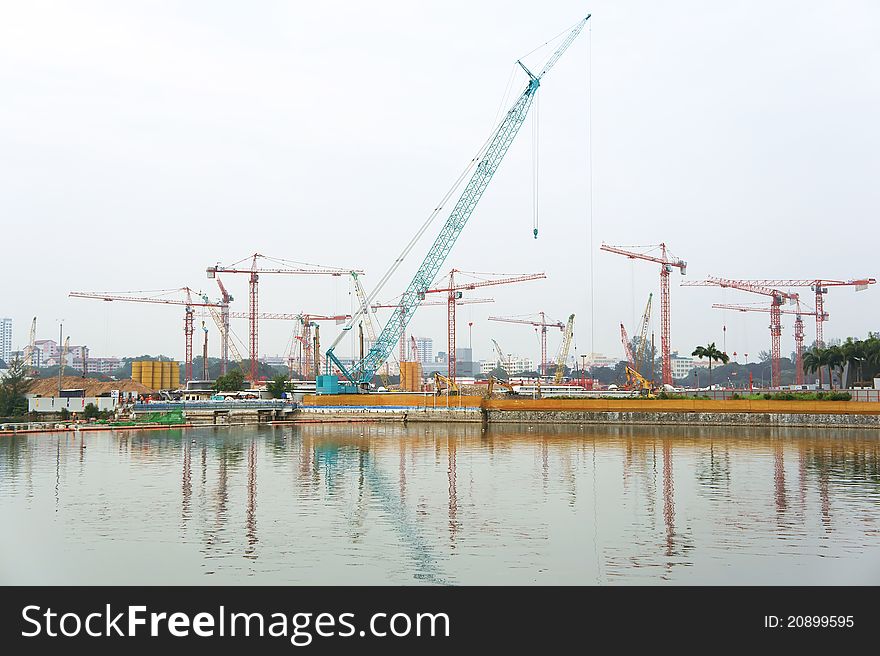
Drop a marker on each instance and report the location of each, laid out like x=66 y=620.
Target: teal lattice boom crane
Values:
x=489 y=159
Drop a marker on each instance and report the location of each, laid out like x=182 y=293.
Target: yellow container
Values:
x=175 y=375
x=136 y=370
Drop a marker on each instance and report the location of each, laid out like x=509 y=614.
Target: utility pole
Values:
x=205 y=353
x=60 y=353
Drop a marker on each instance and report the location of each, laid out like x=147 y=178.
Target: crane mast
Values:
x=666 y=263
x=564 y=349
x=489 y=160
x=643 y=338
x=777 y=299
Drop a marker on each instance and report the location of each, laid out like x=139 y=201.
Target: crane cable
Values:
x=536 y=135
x=476 y=159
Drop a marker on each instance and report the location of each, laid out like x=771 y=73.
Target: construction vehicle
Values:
x=484 y=165
x=563 y=350
x=502 y=361
x=641 y=363
x=635 y=380
x=503 y=383
x=444 y=384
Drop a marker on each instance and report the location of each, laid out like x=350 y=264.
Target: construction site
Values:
x=367 y=356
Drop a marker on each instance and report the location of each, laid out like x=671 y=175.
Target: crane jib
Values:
x=363 y=371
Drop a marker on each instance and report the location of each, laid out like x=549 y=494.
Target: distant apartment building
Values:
x=104 y=366
x=683 y=366
x=513 y=365
x=48 y=354
x=5 y=339
x=424 y=350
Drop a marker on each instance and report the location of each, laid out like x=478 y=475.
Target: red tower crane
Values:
x=462 y=301
x=666 y=263
x=159 y=298
x=777 y=299
x=543 y=324
x=254 y=275
x=454 y=292
x=820 y=287
x=798 y=331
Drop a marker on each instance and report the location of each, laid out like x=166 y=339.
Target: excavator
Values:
x=444 y=384
x=503 y=383
x=634 y=380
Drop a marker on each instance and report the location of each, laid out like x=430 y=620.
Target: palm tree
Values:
x=814 y=360
x=711 y=353
x=834 y=360
x=856 y=353
x=872 y=354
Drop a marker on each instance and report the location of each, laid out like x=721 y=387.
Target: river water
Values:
x=430 y=503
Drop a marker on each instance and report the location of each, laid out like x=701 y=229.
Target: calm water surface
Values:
x=390 y=504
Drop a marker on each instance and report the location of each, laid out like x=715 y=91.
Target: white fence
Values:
x=73 y=404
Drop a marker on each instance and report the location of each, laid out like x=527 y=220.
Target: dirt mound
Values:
x=92 y=387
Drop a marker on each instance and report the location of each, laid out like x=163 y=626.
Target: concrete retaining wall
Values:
x=396 y=413
x=686 y=418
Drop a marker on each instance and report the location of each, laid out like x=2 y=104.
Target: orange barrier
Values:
x=686 y=405
x=598 y=405
x=384 y=400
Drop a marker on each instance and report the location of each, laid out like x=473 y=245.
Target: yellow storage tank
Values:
x=175 y=375
x=166 y=375
x=136 y=370
x=411 y=376
x=147 y=373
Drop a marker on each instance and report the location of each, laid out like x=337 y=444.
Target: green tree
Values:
x=711 y=353
x=91 y=411
x=277 y=386
x=815 y=359
x=14 y=385
x=835 y=359
x=499 y=373
x=230 y=382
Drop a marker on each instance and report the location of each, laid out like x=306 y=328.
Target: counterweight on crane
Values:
x=666 y=264
x=486 y=164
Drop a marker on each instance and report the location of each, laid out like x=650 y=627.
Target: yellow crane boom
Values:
x=564 y=348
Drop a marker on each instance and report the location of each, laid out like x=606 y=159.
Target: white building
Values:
x=425 y=350
x=5 y=339
x=513 y=365
x=683 y=366
x=598 y=360
x=48 y=353
x=97 y=365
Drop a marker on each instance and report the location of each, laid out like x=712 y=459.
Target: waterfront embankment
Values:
x=733 y=412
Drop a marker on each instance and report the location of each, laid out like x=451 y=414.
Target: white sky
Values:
x=144 y=141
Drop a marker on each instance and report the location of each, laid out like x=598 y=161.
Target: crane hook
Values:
x=535 y=231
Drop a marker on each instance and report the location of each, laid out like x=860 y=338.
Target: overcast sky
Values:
x=143 y=141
